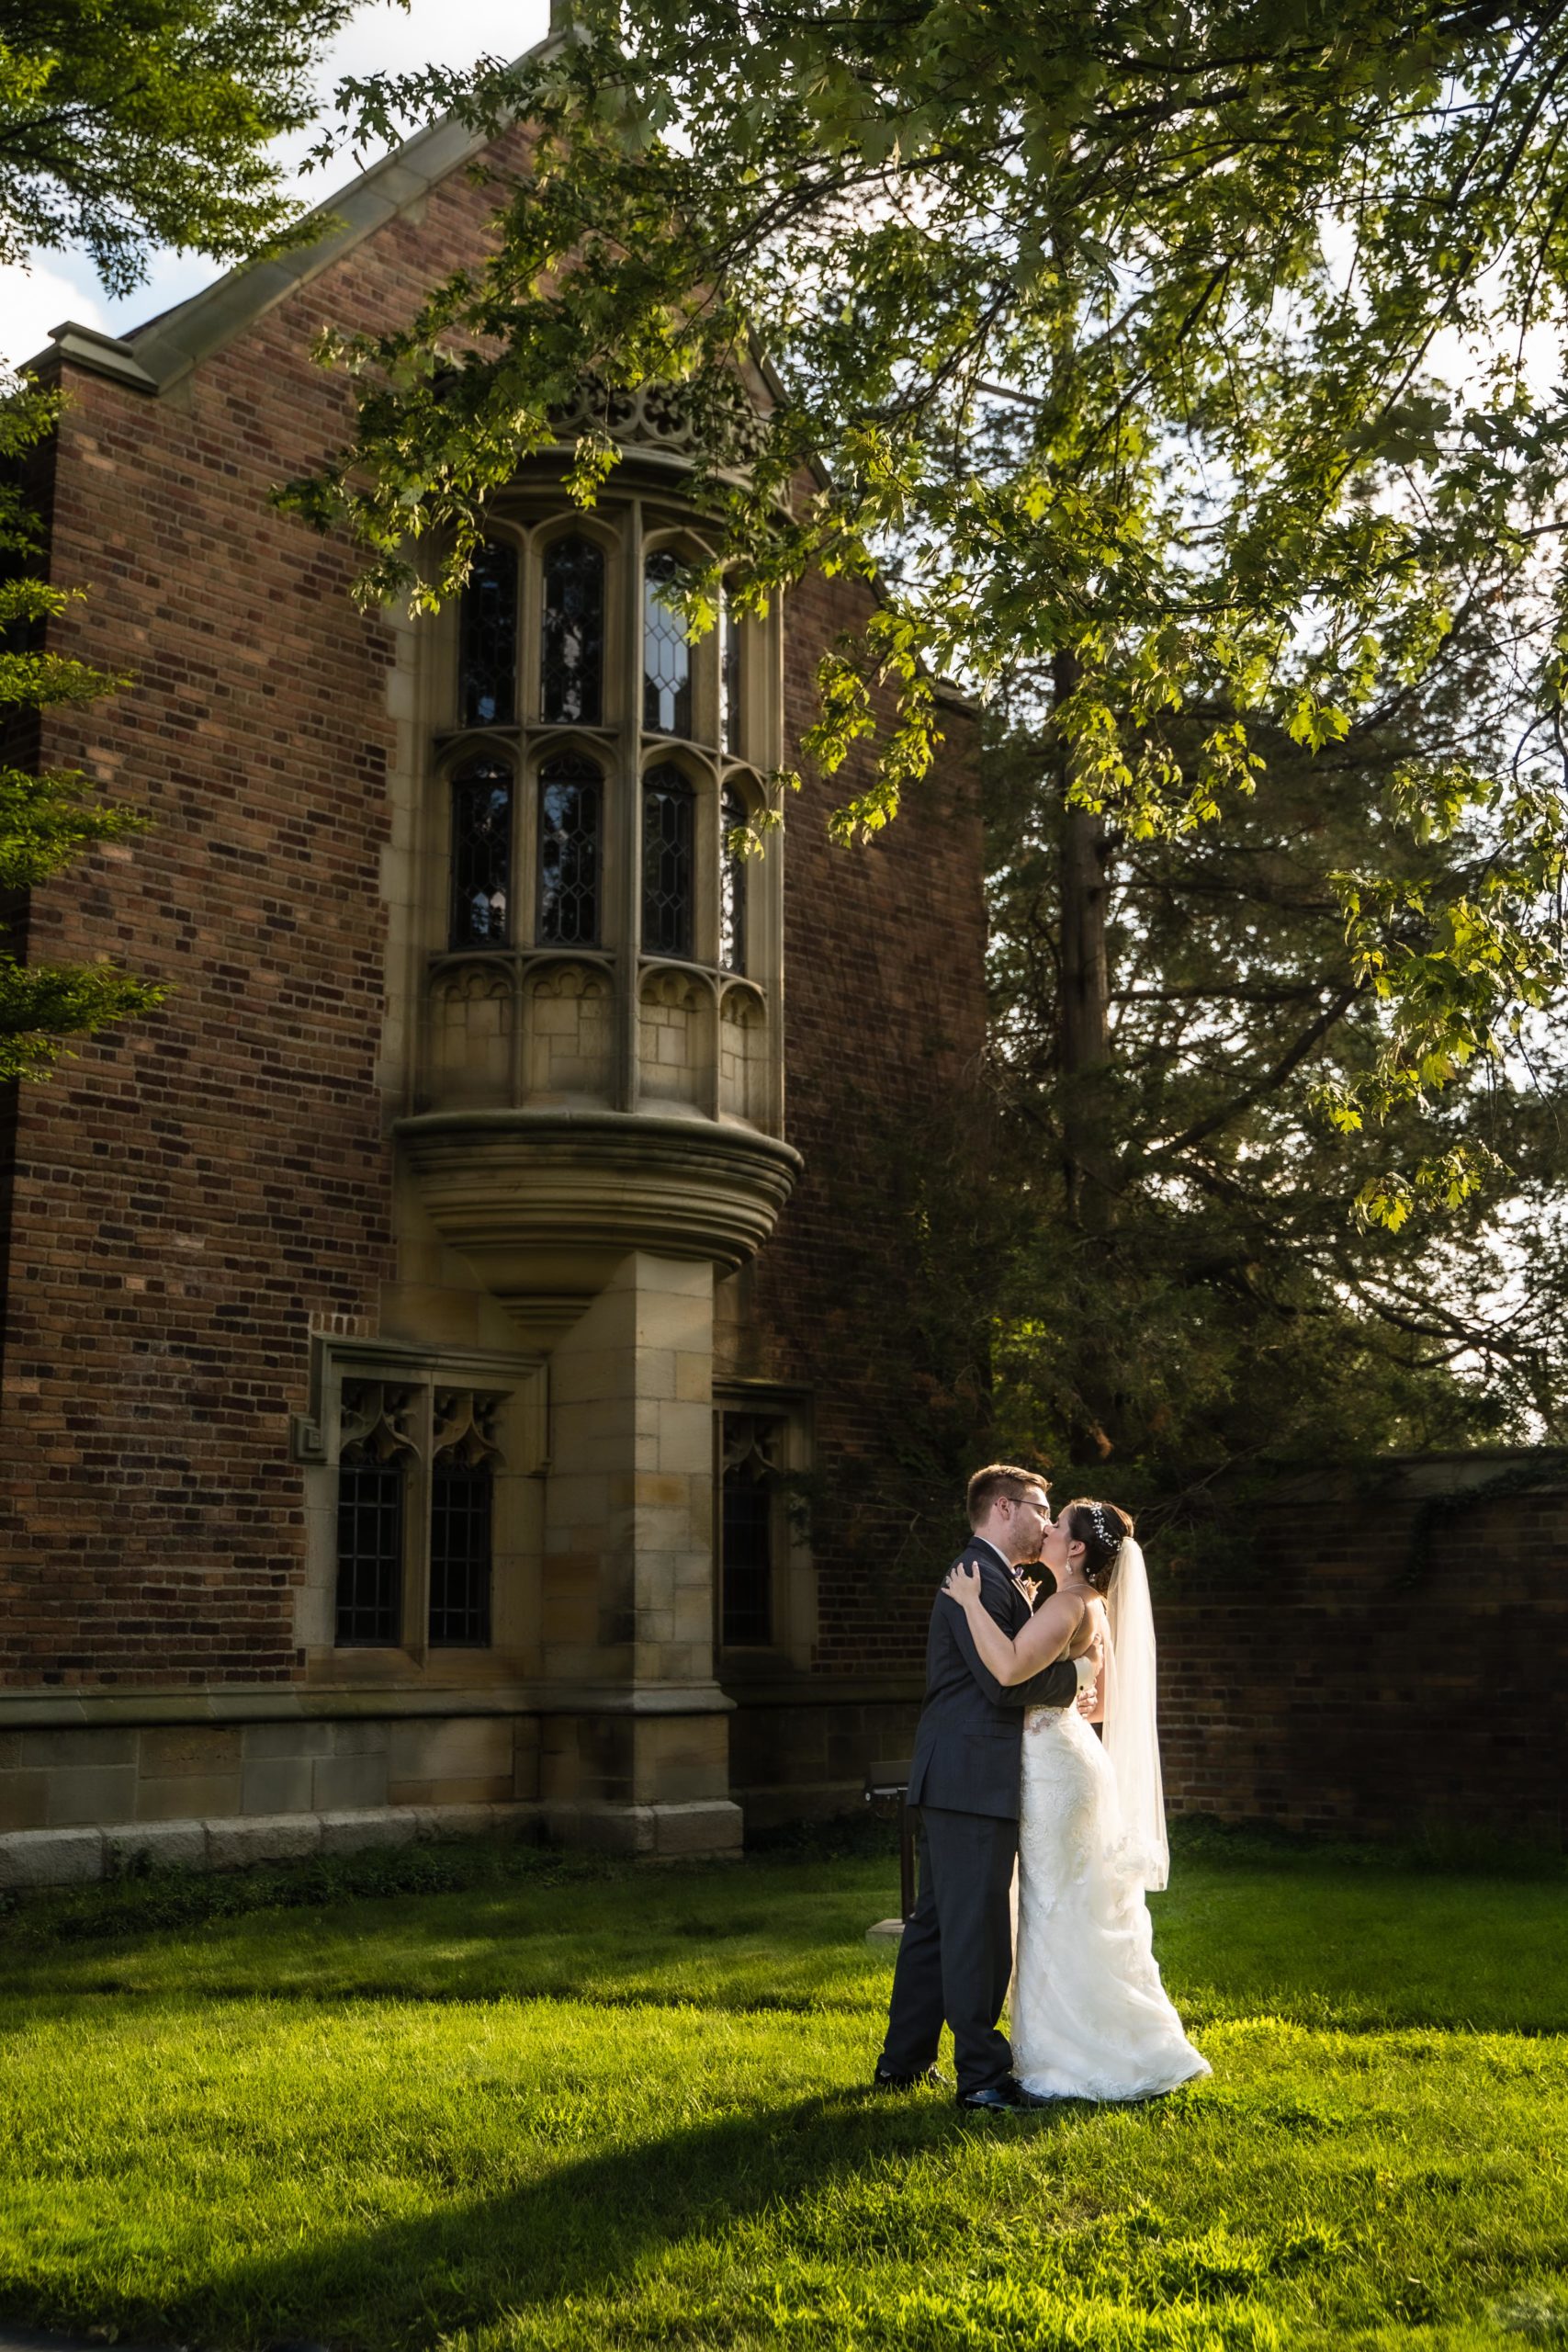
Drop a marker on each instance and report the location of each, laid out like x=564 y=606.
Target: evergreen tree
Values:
x=1188 y=1287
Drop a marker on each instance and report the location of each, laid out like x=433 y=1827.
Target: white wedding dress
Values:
x=1090 y=2016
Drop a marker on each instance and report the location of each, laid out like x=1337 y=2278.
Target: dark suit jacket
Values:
x=969 y=1740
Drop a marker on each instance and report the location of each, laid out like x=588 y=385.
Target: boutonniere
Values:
x=1030 y=1588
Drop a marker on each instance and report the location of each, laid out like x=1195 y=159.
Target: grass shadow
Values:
x=585 y=2227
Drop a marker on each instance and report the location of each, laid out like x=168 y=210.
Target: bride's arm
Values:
x=1044 y=1639
x=1091 y=1699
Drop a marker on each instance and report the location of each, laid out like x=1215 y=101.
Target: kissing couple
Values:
x=1008 y=1768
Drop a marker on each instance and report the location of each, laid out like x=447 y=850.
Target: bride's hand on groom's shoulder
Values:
x=961 y=1584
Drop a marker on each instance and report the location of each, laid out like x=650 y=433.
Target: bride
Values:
x=1090 y=2019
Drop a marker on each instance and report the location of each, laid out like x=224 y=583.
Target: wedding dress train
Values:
x=1090 y=2016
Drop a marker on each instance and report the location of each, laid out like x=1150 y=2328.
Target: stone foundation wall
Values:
x=92 y=1800
x=61 y=1776
x=34 y=1858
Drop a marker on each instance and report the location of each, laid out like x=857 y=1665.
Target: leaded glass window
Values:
x=572 y=666
x=746 y=1530
x=571 y=800
x=666 y=656
x=729 y=677
x=462 y=1497
x=369 y=1553
x=488 y=636
x=667 y=812
x=731 y=883
x=481 y=854
x=462 y=1511
x=372 y=1475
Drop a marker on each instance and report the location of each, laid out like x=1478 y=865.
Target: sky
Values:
x=381 y=37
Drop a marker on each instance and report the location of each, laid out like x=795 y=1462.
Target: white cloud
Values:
x=34 y=300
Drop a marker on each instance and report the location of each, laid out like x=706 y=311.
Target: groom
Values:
x=955 y=1956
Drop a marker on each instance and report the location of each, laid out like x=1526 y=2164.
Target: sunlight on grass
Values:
x=629 y=2109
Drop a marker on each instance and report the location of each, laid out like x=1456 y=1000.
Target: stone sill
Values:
x=317 y=1702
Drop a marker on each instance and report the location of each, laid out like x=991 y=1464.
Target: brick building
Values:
x=414 y=1330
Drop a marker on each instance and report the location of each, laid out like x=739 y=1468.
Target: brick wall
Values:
x=191 y=1195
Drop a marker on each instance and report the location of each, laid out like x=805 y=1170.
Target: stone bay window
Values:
x=587 y=1066
x=595 y=779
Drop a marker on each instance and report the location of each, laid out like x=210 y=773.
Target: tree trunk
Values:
x=1084 y=1040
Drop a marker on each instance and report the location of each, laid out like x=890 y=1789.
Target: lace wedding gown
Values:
x=1090 y=2016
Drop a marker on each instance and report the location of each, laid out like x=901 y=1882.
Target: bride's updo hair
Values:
x=1099 y=1528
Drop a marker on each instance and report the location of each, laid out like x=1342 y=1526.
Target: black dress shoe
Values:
x=1005 y=2097
x=925 y=2078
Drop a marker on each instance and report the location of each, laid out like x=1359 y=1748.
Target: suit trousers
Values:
x=956 y=1954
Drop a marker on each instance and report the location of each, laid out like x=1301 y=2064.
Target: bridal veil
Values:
x=1131 y=1737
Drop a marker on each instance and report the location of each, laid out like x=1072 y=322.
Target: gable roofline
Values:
x=153 y=358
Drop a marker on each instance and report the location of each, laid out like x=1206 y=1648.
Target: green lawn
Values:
x=564 y=2106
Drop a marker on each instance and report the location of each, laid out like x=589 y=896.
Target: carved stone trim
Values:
x=564 y=979
x=352 y=1368
x=374 y=1419
x=658 y=416
x=545 y=1204
x=682 y=991
x=465 y=1425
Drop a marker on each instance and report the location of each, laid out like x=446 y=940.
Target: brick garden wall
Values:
x=1391 y=1662
x=1349 y=1686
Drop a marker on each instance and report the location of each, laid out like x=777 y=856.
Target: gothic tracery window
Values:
x=667 y=829
x=752 y=1449
x=488 y=637
x=570 y=803
x=666 y=656
x=481 y=854
x=591 y=806
x=571 y=663
x=417 y=1466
